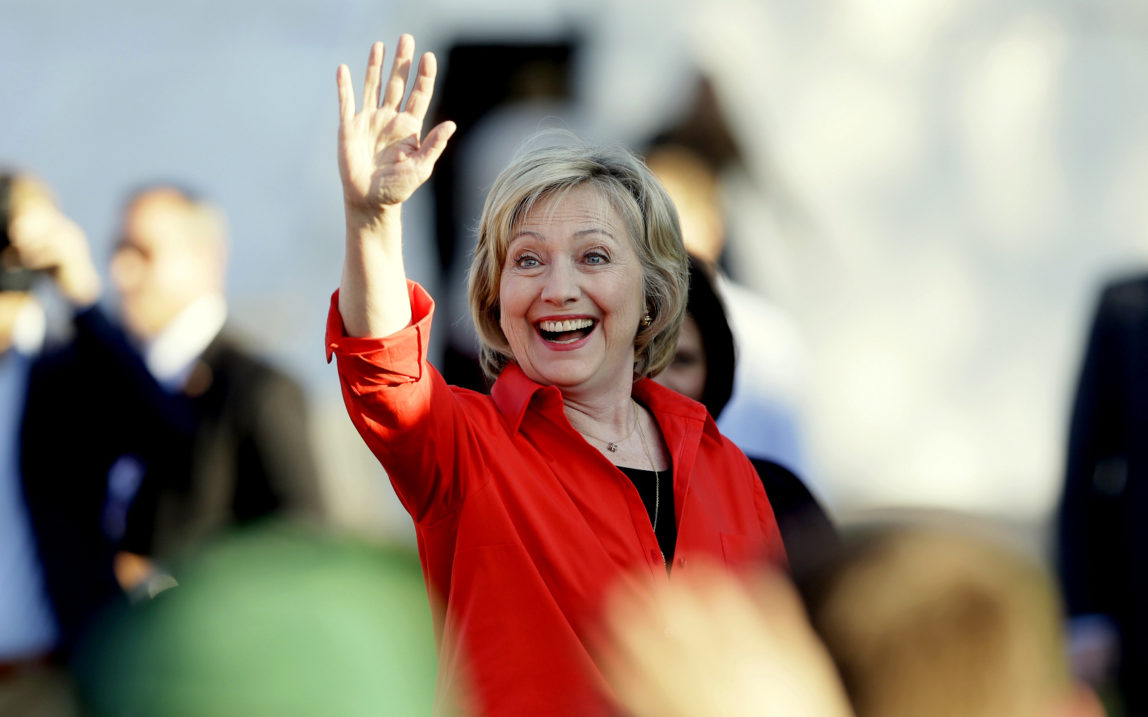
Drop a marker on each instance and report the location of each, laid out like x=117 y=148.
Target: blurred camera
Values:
x=12 y=278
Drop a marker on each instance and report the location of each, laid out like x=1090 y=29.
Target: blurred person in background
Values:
x=137 y=447
x=763 y=414
x=243 y=450
x=704 y=369
x=38 y=244
x=575 y=471
x=1102 y=524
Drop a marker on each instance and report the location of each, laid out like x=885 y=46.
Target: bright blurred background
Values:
x=934 y=190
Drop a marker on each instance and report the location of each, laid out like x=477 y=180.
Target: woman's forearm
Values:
x=373 y=299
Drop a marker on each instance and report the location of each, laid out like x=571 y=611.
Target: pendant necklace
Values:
x=612 y=446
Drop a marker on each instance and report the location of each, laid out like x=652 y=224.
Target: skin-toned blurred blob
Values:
x=936 y=622
x=708 y=644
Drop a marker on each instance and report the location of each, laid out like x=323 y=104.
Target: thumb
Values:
x=435 y=142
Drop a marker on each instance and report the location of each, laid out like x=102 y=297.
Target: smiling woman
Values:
x=577 y=471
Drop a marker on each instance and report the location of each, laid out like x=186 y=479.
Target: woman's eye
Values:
x=526 y=261
x=685 y=360
x=596 y=258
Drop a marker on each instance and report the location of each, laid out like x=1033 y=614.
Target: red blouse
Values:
x=522 y=525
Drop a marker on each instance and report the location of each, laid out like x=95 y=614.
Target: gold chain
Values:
x=657 y=478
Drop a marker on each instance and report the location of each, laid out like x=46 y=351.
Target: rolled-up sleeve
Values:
x=388 y=361
x=402 y=407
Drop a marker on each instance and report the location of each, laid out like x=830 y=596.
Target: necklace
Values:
x=657 y=478
x=612 y=446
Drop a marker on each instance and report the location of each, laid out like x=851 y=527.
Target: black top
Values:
x=808 y=534
x=657 y=492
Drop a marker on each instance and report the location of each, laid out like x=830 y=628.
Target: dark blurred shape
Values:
x=706 y=315
x=944 y=621
x=272 y=621
x=480 y=78
x=1102 y=525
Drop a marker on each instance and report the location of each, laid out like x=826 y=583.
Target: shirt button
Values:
x=681 y=562
x=655 y=555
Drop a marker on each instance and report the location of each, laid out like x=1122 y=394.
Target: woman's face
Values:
x=571 y=293
x=686 y=374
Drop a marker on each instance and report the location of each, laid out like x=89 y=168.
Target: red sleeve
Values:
x=403 y=409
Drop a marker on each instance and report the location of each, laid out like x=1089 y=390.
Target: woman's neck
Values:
x=622 y=431
x=602 y=411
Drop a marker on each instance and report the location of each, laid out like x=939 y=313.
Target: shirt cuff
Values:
x=401 y=355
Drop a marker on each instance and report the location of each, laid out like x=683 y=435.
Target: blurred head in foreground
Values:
x=273 y=621
x=906 y=623
x=930 y=622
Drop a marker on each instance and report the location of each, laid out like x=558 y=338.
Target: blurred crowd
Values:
x=165 y=548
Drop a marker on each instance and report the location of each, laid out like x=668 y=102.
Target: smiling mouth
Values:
x=567 y=331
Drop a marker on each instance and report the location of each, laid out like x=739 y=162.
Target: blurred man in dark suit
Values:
x=137 y=449
x=1103 y=520
x=245 y=453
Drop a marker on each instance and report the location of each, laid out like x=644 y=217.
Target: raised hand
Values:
x=382 y=159
x=44 y=239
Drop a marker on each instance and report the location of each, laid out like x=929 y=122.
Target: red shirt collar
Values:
x=514 y=390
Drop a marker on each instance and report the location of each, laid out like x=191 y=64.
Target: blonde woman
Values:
x=577 y=470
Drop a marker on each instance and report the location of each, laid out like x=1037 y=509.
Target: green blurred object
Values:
x=273 y=621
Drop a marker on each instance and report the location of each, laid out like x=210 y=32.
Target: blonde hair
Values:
x=631 y=189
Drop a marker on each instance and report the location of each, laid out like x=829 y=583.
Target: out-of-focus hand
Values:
x=382 y=159
x=44 y=239
x=706 y=644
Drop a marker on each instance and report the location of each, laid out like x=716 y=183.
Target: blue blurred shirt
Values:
x=27 y=624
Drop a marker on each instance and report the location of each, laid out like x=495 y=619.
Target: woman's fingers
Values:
x=397 y=84
x=374 y=72
x=419 y=100
x=392 y=95
x=346 y=94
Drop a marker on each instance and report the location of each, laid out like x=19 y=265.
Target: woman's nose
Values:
x=561 y=283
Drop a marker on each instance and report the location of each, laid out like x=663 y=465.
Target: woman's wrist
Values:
x=381 y=224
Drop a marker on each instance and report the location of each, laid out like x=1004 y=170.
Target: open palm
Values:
x=382 y=159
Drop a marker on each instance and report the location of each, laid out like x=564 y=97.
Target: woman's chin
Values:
x=563 y=376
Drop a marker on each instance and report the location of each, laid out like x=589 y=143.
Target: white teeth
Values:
x=568 y=325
